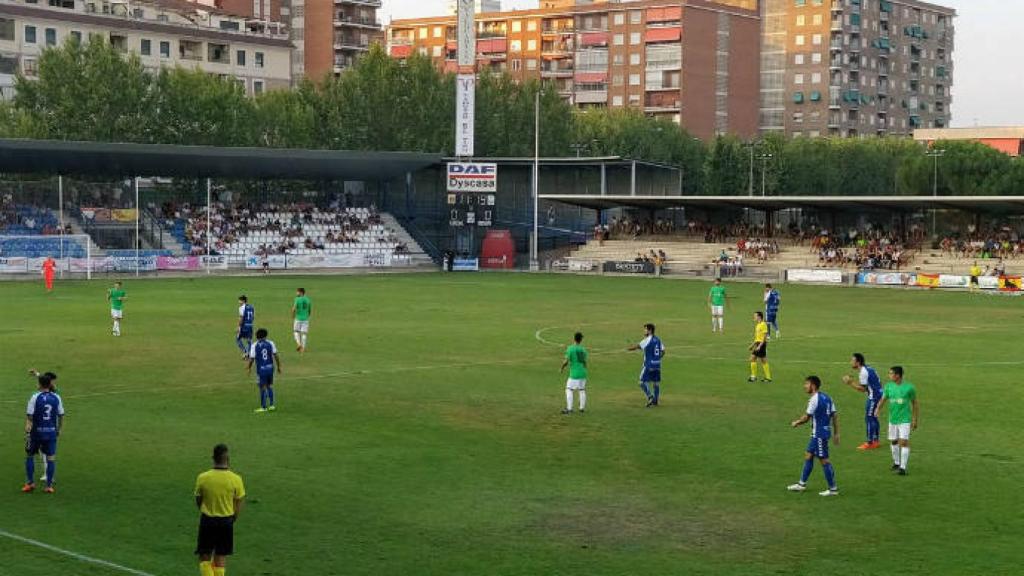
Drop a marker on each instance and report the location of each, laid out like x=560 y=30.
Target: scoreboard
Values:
x=470 y=209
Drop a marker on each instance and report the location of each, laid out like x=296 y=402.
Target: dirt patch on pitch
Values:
x=633 y=522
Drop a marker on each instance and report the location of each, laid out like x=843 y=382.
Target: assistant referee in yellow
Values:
x=219 y=494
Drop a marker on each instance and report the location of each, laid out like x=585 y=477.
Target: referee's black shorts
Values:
x=216 y=536
x=761 y=351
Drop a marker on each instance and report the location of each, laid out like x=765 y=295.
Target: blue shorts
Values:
x=650 y=375
x=265 y=379
x=45 y=444
x=245 y=332
x=771 y=318
x=869 y=407
x=818 y=447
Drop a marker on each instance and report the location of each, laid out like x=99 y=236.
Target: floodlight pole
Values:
x=935 y=180
x=534 y=263
x=209 y=213
x=138 y=214
x=60 y=215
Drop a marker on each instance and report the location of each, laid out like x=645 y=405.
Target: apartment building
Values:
x=692 y=61
x=479 y=6
x=161 y=32
x=847 y=68
x=335 y=33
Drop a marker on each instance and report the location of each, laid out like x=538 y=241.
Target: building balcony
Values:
x=659 y=87
x=557 y=30
x=591 y=96
x=350 y=43
x=373 y=3
x=655 y=65
x=556 y=72
x=837 y=25
x=837 y=5
x=344 y=20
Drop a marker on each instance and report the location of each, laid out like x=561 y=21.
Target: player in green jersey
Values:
x=716 y=301
x=116 y=297
x=904 y=411
x=301 y=310
x=576 y=359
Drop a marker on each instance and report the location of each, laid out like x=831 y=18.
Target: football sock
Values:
x=117 y=326
x=830 y=475
x=270 y=395
x=895 y=454
x=568 y=399
x=51 y=469
x=303 y=339
x=904 y=456
x=206 y=568
x=263 y=397
x=298 y=340
x=657 y=392
x=753 y=369
x=583 y=400
x=647 y=391
x=714 y=324
x=808 y=466
x=30 y=469
x=767 y=371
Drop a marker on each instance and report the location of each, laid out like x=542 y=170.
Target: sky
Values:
x=988 y=81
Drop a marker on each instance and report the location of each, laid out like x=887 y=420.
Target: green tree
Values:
x=196 y=108
x=88 y=92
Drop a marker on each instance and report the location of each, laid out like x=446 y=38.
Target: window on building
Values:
x=423 y=32
x=617 y=80
x=800 y=40
x=259 y=59
x=617 y=40
x=240 y=58
x=618 y=59
x=616 y=100
x=515 y=46
x=816 y=57
x=816 y=39
x=816 y=20
x=165 y=49
x=517 y=65
x=51 y=36
x=634 y=59
x=6 y=29
x=634 y=79
x=635 y=16
x=436 y=51
x=146 y=47
x=29 y=67
x=76 y=36
x=816 y=78
x=531 y=64
x=531 y=25
x=30 y=34
x=619 y=18
x=634 y=38
x=257 y=87
x=798 y=79
x=801 y=20
x=798 y=59
x=531 y=45
x=517 y=25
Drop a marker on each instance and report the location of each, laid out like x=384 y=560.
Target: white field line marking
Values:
x=75 y=555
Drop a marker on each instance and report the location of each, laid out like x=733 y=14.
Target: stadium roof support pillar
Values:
x=604 y=179
x=632 y=178
x=209 y=213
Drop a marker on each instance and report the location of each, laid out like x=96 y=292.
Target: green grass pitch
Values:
x=421 y=433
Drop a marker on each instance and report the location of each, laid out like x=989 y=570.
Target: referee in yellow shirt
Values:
x=219 y=494
x=759 y=349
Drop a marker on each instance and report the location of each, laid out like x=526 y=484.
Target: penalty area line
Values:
x=75 y=555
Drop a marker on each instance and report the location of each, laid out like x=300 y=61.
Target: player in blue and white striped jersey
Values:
x=869 y=383
x=821 y=413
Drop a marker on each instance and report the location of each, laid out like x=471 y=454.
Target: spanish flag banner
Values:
x=927 y=280
x=1010 y=283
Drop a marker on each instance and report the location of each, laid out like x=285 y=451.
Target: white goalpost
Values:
x=25 y=255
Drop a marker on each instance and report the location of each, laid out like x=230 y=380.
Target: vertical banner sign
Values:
x=465 y=92
x=467 y=36
x=465 y=102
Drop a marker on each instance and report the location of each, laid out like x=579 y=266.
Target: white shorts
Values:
x=576 y=384
x=899 y=432
x=116 y=314
x=301 y=326
x=718 y=310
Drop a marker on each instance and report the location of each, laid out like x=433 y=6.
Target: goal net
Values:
x=26 y=254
